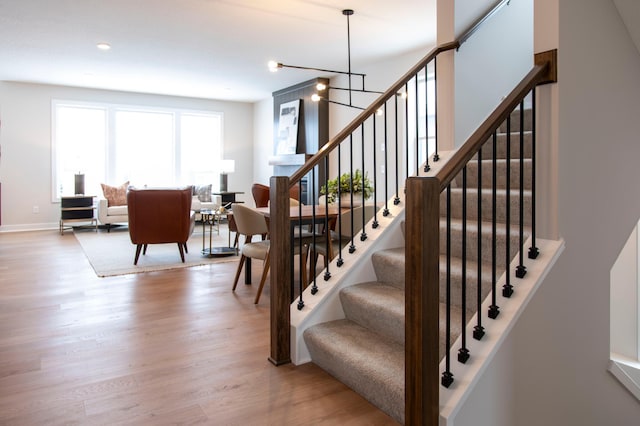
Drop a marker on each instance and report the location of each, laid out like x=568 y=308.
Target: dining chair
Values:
x=251 y=223
x=260 y=194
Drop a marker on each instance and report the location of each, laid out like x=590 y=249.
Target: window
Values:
x=143 y=145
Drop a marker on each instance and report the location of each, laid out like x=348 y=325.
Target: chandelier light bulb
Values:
x=315 y=97
x=320 y=87
x=273 y=66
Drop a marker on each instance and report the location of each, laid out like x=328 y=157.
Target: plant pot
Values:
x=345 y=200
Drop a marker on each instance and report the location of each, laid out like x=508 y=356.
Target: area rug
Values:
x=112 y=253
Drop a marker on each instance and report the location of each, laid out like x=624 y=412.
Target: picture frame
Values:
x=287 y=138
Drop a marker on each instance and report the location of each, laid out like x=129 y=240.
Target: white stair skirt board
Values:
x=627 y=371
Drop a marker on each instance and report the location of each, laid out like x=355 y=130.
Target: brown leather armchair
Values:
x=260 y=194
x=160 y=216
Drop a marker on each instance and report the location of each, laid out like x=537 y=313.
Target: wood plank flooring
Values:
x=170 y=347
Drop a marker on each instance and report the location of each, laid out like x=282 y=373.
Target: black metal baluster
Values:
x=385 y=212
x=325 y=227
x=533 y=250
x=478 y=330
x=494 y=310
x=299 y=242
x=417 y=128
x=363 y=236
x=352 y=246
x=436 y=156
x=447 y=376
x=340 y=260
x=427 y=167
x=396 y=199
x=521 y=270
x=463 y=352
x=507 y=288
x=406 y=130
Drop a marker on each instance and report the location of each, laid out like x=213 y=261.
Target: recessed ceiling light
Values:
x=103 y=46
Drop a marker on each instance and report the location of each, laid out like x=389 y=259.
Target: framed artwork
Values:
x=287 y=139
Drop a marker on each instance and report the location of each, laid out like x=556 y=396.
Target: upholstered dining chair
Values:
x=252 y=223
x=160 y=216
x=260 y=194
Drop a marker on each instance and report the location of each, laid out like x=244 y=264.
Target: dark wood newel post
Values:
x=421 y=301
x=280 y=278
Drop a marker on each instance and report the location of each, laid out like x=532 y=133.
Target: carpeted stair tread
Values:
x=376 y=306
x=368 y=363
x=487 y=204
x=389 y=266
x=486 y=240
x=471 y=279
x=501 y=170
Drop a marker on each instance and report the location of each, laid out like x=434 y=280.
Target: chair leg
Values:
x=240 y=265
x=265 y=272
x=135 y=260
x=144 y=249
x=186 y=250
x=181 y=252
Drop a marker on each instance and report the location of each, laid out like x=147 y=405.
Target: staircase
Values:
x=365 y=350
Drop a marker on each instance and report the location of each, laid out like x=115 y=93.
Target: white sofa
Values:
x=119 y=215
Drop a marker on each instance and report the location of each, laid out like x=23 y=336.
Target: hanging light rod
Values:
x=274 y=66
x=320 y=87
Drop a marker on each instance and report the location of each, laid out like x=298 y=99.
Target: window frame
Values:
x=110 y=134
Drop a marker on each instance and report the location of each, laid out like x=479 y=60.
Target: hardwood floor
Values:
x=170 y=347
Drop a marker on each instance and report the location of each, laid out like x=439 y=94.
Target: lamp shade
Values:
x=227 y=166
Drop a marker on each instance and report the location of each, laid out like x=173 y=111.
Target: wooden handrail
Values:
x=368 y=112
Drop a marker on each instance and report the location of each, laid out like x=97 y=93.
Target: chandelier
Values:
x=322 y=90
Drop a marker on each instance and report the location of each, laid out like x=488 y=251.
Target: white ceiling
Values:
x=201 y=48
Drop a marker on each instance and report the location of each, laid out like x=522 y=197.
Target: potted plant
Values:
x=346 y=185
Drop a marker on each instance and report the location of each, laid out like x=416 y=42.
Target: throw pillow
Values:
x=115 y=195
x=203 y=192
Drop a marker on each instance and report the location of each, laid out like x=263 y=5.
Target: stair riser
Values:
x=387 y=301
x=486 y=242
x=501 y=174
x=389 y=266
x=501 y=146
x=471 y=286
x=487 y=205
x=515 y=121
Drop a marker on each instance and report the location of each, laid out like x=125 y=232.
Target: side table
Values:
x=77 y=208
x=212 y=218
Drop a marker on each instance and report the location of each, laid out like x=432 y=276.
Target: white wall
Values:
x=560 y=345
x=25 y=139
x=491 y=62
x=262 y=141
